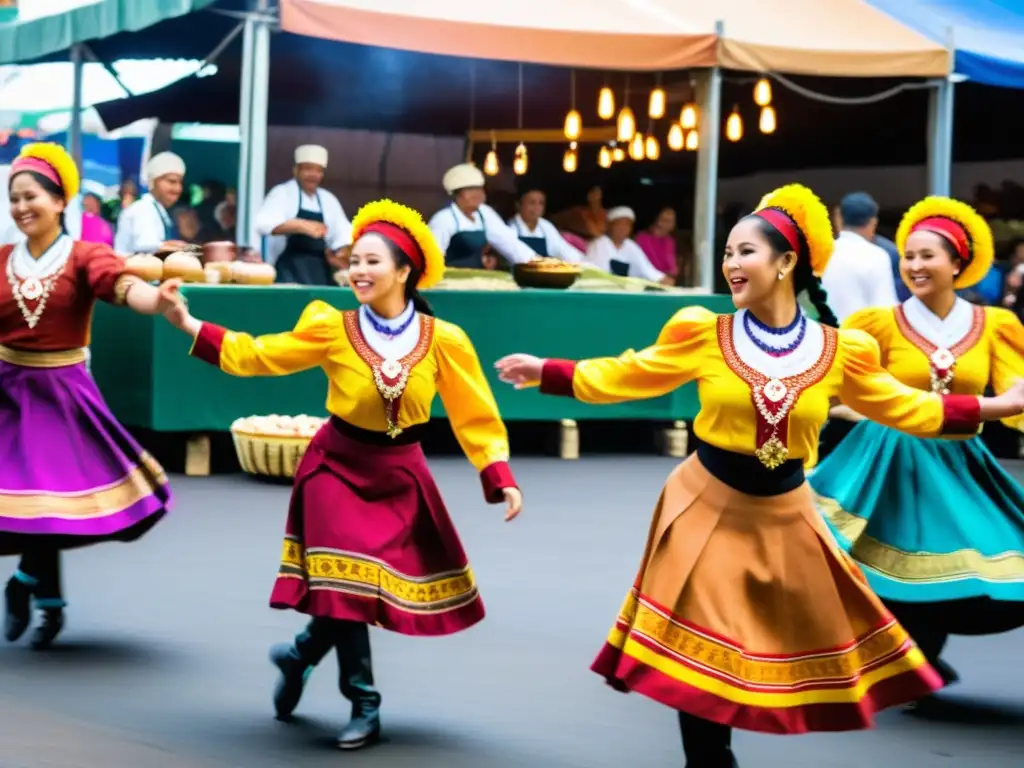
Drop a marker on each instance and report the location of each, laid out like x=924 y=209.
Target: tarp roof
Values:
x=987 y=35
x=43 y=27
x=828 y=37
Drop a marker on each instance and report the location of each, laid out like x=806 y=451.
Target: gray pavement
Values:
x=163 y=663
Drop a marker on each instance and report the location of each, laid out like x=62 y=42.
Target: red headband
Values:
x=41 y=167
x=405 y=242
x=951 y=230
x=784 y=224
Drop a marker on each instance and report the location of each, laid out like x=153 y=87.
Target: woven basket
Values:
x=269 y=455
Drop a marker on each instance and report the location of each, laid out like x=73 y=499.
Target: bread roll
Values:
x=184 y=265
x=145 y=266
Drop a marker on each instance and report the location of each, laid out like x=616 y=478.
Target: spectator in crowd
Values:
x=659 y=243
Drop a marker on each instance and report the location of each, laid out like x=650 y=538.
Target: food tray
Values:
x=269 y=455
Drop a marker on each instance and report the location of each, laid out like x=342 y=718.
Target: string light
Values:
x=652 y=149
x=604 y=157
x=636 y=147
x=734 y=126
x=656 y=106
x=606 y=104
x=688 y=117
x=676 y=139
x=618 y=154
x=521 y=160
x=570 y=160
x=573 y=121
x=625 y=125
x=491 y=165
x=763 y=92
x=767 y=123
x=692 y=141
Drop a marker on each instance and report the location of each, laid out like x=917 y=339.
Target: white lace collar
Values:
x=390 y=346
x=801 y=359
x=50 y=263
x=943 y=332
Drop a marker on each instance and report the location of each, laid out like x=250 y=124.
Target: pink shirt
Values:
x=96 y=230
x=660 y=250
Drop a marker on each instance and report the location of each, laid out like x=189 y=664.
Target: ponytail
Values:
x=419 y=303
x=805 y=280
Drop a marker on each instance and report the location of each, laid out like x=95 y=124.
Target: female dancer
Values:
x=947 y=557
x=745 y=612
x=368 y=539
x=70 y=475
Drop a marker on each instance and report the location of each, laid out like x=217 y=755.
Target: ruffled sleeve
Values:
x=672 y=361
x=278 y=354
x=1007 y=354
x=103 y=271
x=472 y=410
x=872 y=391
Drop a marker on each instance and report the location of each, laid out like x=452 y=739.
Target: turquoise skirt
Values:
x=929 y=521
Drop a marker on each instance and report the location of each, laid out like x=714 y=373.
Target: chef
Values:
x=468 y=225
x=146 y=226
x=537 y=232
x=307 y=229
x=619 y=254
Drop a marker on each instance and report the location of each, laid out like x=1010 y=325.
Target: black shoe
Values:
x=18 y=611
x=294 y=673
x=362 y=730
x=48 y=629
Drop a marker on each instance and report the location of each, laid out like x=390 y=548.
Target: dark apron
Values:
x=170 y=227
x=538 y=244
x=303 y=260
x=466 y=249
x=620 y=268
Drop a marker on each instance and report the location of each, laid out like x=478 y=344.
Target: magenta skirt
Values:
x=68 y=470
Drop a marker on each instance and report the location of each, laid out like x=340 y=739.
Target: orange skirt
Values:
x=747 y=613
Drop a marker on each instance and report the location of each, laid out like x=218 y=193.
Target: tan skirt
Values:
x=746 y=613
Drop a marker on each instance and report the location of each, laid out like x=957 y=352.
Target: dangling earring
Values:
x=782 y=275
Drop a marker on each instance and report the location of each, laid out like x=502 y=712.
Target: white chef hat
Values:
x=621 y=212
x=311 y=153
x=462 y=176
x=164 y=164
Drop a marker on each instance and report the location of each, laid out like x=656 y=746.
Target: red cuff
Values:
x=556 y=377
x=495 y=478
x=961 y=414
x=207 y=344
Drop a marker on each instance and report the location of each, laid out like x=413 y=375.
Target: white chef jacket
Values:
x=283 y=202
x=558 y=246
x=142 y=227
x=451 y=220
x=858 y=276
x=602 y=251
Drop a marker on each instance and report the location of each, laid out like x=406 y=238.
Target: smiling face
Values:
x=373 y=271
x=928 y=265
x=752 y=262
x=531 y=207
x=167 y=189
x=310 y=176
x=35 y=210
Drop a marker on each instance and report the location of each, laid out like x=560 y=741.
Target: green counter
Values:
x=146 y=375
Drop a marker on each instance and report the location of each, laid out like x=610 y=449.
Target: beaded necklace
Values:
x=750 y=323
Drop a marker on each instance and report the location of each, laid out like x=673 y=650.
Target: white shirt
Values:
x=943 y=332
x=388 y=346
x=142 y=227
x=858 y=276
x=806 y=354
x=558 y=246
x=282 y=203
x=602 y=251
x=450 y=220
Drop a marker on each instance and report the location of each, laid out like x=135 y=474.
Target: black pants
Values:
x=706 y=744
x=39 y=570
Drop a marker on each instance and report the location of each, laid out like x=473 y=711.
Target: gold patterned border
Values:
x=972 y=337
x=367 y=353
x=42 y=359
x=917 y=567
x=351 y=572
x=784 y=674
x=104 y=501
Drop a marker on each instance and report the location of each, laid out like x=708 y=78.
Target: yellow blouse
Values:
x=696 y=345
x=992 y=352
x=443 y=362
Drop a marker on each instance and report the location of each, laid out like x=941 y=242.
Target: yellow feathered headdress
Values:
x=962 y=226
x=52 y=161
x=809 y=214
x=412 y=236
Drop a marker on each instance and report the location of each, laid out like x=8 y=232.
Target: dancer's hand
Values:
x=1015 y=396
x=520 y=370
x=514 y=502
x=172 y=305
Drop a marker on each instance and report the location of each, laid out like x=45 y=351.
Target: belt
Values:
x=27 y=358
x=407 y=436
x=747 y=474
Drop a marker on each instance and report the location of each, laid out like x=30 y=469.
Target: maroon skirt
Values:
x=369 y=539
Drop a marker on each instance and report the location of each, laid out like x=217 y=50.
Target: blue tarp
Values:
x=988 y=35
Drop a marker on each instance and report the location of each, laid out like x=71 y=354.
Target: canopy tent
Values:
x=986 y=35
x=837 y=37
x=43 y=27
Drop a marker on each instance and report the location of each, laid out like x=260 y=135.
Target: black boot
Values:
x=296 y=661
x=51 y=625
x=706 y=744
x=356 y=681
x=18 y=609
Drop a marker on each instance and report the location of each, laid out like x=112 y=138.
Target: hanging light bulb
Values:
x=626 y=125
x=573 y=125
x=734 y=126
x=604 y=157
x=767 y=123
x=636 y=147
x=656 y=106
x=521 y=161
x=652 y=149
x=675 y=137
x=688 y=117
x=692 y=141
x=570 y=160
x=763 y=92
x=491 y=166
x=618 y=154
x=606 y=104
